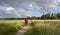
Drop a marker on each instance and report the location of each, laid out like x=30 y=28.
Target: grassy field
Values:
x=10 y=27
x=37 y=27
x=44 y=27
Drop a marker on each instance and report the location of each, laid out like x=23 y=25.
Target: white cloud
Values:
x=58 y=0
x=26 y=3
x=30 y=5
x=23 y=8
x=54 y=7
x=9 y=8
x=8 y=11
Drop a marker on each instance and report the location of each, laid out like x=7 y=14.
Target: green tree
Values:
x=58 y=15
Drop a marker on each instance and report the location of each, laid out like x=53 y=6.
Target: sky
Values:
x=27 y=8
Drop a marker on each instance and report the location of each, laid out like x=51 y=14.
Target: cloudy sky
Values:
x=24 y=8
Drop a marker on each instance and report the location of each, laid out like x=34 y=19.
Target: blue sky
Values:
x=36 y=12
x=24 y=8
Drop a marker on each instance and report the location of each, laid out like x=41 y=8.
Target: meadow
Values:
x=36 y=27
x=44 y=27
x=10 y=27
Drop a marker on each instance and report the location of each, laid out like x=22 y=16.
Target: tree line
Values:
x=51 y=16
x=48 y=16
x=45 y=16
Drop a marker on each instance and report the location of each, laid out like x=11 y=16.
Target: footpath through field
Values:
x=22 y=31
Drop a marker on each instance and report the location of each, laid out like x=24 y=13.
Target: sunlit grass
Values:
x=10 y=27
x=46 y=28
x=38 y=27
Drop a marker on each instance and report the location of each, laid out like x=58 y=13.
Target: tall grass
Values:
x=10 y=27
x=46 y=28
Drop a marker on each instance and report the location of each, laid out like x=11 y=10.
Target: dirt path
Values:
x=21 y=32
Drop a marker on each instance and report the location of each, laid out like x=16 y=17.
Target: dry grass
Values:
x=44 y=27
x=10 y=27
